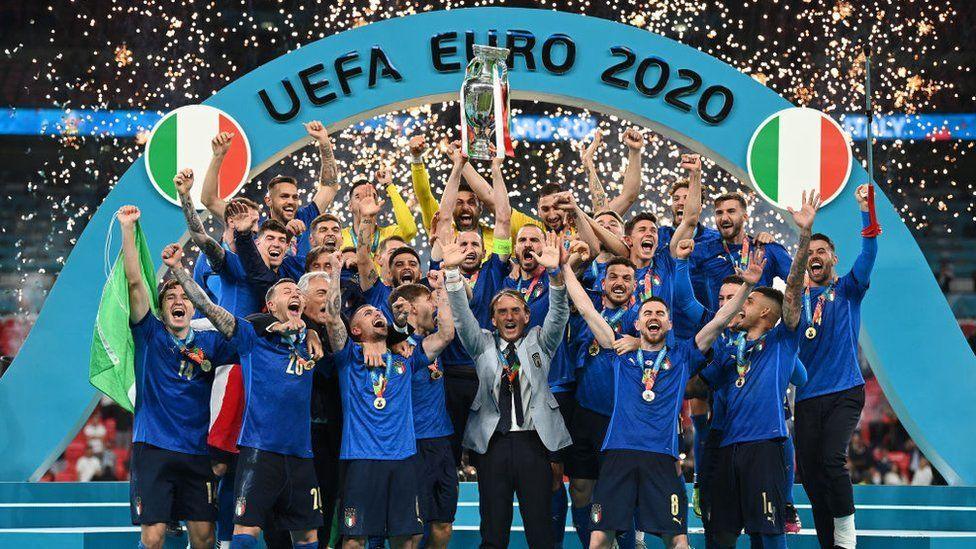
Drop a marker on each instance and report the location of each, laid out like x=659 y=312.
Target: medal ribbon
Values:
x=814 y=315
x=743 y=261
x=532 y=285
x=473 y=279
x=743 y=362
x=508 y=371
x=647 y=291
x=615 y=319
x=650 y=375
x=379 y=379
x=293 y=341
x=195 y=354
x=355 y=239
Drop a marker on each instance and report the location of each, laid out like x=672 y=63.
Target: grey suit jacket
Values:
x=535 y=352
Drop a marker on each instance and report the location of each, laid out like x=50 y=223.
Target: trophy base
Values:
x=480 y=150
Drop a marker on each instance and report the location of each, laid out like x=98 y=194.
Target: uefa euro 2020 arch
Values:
x=908 y=332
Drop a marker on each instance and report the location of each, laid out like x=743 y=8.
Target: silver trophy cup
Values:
x=478 y=101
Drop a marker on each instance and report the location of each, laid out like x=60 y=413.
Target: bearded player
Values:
x=750 y=478
x=829 y=405
x=639 y=476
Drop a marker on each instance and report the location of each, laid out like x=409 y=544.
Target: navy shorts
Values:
x=272 y=488
x=438 y=479
x=588 y=431
x=642 y=485
x=380 y=498
x=750 y=481
x=167 y=486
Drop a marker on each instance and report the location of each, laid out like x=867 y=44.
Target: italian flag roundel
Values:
x=796 y=150
x=181 y=139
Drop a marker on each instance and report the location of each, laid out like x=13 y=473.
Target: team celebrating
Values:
x=306 y=371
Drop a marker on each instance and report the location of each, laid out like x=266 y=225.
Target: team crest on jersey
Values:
x=400 y=367
x=241 y=506
x=138 y=506
x=596 y=513
x=537 y=360
x=349 y=517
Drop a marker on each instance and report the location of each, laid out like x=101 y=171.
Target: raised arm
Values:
x=258 y=274
x=684 y=295
x=138 y=293
x=405 y=223
x=706 y=336
x=421 y=182
x=553 y=258
x=479 y=185
x=598 y=325
x=503 y=206
x=439 y=340
x=334 y=326
x=693 y=205
x=222 y=320
x=803 y=218
x=632 y=175
x=210 y=247
x=864 y=263
x=449 y=196
x=598 y=195
x=364 y=255
x=328 y=185
x=208 y=194
x=466 y=325
x=608 y=241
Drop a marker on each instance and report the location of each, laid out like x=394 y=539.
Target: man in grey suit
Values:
x=514 y=422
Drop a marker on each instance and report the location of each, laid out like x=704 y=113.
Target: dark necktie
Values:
x=513 y=361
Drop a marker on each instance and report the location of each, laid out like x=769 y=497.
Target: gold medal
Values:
x=740 y=382
x=309 y=364
x=594 y=348
x=205 y=365
x=648 y=395
x=811 y=332
x=379 y=403
x=436 y=374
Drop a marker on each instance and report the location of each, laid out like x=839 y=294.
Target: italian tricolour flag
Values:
x=181 y=139
x=796 y=150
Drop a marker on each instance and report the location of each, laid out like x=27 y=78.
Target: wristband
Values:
x=553 y=272
x=502 y=246
x=415 y=160
x=452 y=274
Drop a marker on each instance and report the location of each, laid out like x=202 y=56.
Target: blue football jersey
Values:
x=831 y=356
x=172 y=406
x=277 y=392
x=369 y=432
x=430 y=418
x=754 y=406
x=651 y=424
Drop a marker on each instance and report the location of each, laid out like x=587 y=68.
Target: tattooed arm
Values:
x=803 y=218
x=222 y=320
x=598 y=195
x=333 y=305
x=210 y=247
x=329 y=173
x=364 y=256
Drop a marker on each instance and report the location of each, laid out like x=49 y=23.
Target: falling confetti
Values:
x=158 y=55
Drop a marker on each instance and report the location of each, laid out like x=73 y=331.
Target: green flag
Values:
x=111 y=368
